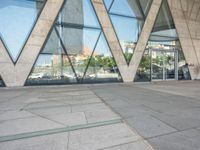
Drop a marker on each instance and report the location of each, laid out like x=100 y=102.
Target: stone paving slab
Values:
x=167 y=114
x=138 y=145
x=149 y=126
x=50 y=110
x=31 y=124
x=68 y=118
x=184 y=140
x=101 y=137
x=47 y=142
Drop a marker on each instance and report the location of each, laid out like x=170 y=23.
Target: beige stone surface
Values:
x=185 y=14
x=16 y=74
x=128 y=72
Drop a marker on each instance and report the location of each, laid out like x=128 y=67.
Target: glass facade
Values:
x=163 y=58
x=1 y=82
x=76 y=50
x=127 y=17
x=17 y=18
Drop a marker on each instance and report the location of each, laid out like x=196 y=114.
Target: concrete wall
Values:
x=186 y=15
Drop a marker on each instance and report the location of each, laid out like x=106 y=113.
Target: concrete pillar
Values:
x=128 y=72
x=16 y=75
x=186 y=18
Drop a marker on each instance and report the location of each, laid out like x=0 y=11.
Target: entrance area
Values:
x=164 y=65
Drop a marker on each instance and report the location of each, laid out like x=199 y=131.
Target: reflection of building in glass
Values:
x=163 y=59
x=75 y=49
x=128 y=46
x=18 y=18
x=127 y=17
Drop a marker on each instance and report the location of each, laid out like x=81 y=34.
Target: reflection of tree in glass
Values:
x=169 y=59
x=143 y=72
x=101 y=62
x=145 y=63
x=128 y=56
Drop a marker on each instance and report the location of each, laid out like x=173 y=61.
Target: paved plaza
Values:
x=62 y=118
x=136 y=116
x=166 y=114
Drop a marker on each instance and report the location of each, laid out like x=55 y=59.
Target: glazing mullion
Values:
x=63 y=46
x=91 y=55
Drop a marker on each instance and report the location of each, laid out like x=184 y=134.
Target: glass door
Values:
x=169 y=67
x=164 y=65
x=157 y=65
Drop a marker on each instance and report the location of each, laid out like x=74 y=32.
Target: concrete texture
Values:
x=62 y=118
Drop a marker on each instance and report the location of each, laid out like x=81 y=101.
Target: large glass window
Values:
x=1 y=82
x=102 y=66
x=17 y=18
x=145 y=5
x=76 y=50
x=127 y=17
x=163 y=58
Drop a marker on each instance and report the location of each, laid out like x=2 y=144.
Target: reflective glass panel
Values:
x=1 y=82
x=80 y=44
x=128 y=31
x=127 y=8
x=183 y=70
x=53 y=65
x=164 y=25
x=102 y=66
x=17 y=18
x=145 y=5
x=108 y=3
x=127 y=17
x=79 y=12
x=165 y=54
x=70 y=47
x=144 y=70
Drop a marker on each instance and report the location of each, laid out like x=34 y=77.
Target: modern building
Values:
x=45 y=42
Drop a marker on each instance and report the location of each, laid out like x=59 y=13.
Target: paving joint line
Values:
x=58 y=130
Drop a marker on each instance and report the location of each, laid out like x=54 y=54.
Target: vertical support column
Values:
x=112 y=40
x=181 y=13
x=16 y=75
x=128 y=72
x=144 y=36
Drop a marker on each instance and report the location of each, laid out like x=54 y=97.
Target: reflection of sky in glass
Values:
x=89 y=15
x=90 y=37
x=108 y=3
x=167 y=33
x=122 y=7
x=102 y=47
x=16 y=21
x=44 y=60
x=145 y=5
x=127 y=29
